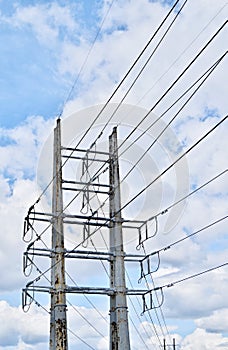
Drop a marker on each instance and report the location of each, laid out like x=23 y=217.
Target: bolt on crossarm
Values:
x=58 y=321
x=119 y=330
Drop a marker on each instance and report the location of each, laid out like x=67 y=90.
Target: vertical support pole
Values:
x=58 y=323
x=119 y=330
x=164 y=343
x=174 y=344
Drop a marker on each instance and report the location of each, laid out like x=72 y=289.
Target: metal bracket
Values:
x=144 y=231
x=148 y=300
x=145 y=265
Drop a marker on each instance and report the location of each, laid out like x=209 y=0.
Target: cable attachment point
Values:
x=86 y=177
x=145 y=229
x=151 y=300
x=146 y=265
x=27 y=298
x=28 y=225
x=86 y=235
x=27 y=264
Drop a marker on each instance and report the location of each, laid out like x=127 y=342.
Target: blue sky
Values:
x=28 y=68
x=44 y=45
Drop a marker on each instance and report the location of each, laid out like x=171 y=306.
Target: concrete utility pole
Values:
x=173 y=345
x=58 y=323
x=119 y=330
x=117 y=291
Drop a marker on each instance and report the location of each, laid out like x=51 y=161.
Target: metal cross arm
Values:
x=148 y=299
x=90 y=290
x=85 y=151
x=85 y=183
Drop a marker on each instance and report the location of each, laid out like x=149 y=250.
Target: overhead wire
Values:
x=128 y=72
x=74 y=84
x=212 y=38
x=82 y=316
x=169 y=167
x=142 y=69
x=173 y=118
x=188 y=236
x=114 y=92
x=89 y=301
x=169 y=207
x=152 y=325
x=160 y=308
x=175 y=162
x=82 y=340
x=145 y=330
x=207 y=73
x=192 y=192
x=162 y=95
x=171 y=86
x=79 y=338
x=168 y=285
x=167 y=331
x=85 y=319
x=182 y=53
x=85 y=60
x=175 y=81
x=157 y=177
x=138 y=333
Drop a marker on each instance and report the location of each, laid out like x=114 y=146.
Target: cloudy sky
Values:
x=66 y=58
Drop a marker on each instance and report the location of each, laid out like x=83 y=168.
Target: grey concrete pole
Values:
x=119 y=330
x=58 y=321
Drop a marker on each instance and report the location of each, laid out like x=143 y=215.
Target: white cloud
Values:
x=45 y=20
x=124 y=34
x=217 y=322
x=202 y=340
x=19 y=327
x=19 y=190
x=20 y=152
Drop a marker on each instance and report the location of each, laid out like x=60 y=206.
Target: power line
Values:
x=128 y=72
x=188 y=236
x=191 y=193
x=177 y=160
x=207 y=73
x=160 y=307
x=141 y=70
x=85 y=319
x=85 y=60
x=168 y=168
x=153 y=328
x=154 y=104
x=89 y=301
x=79 y=338
x=137 y=331
x=174 y=83
x=81 y=315
x=192 y=276
x=153 y=181
x=114 y=92
x=73 y=333
x=185 y=50
x=132 y=304
x=147 y=307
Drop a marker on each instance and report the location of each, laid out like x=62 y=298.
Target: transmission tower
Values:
x=88 y=220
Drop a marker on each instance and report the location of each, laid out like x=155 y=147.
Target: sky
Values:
x=65 y=58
